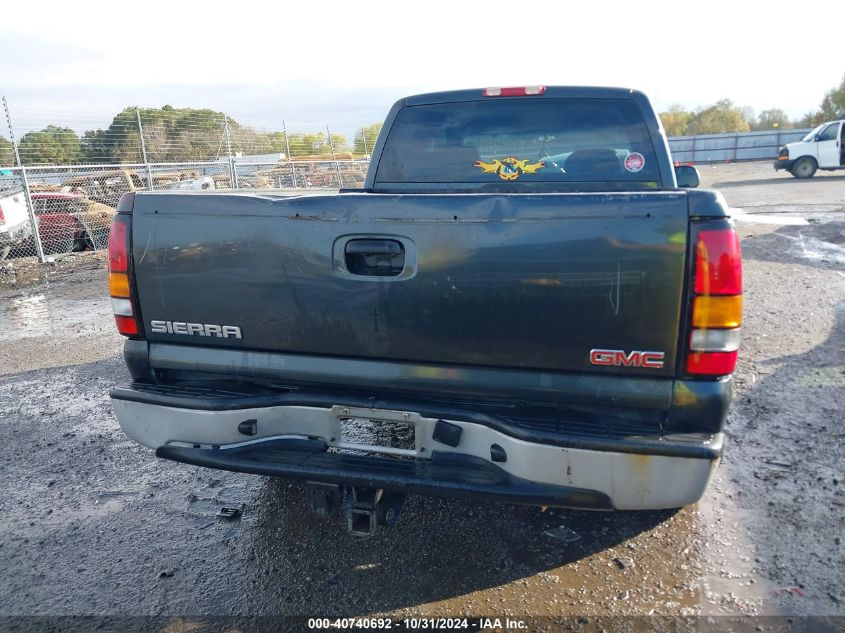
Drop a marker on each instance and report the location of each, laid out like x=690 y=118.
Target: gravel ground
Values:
x=91 y=523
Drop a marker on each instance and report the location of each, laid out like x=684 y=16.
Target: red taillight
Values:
x=718 y=263
x=118 y=256
x=126 y=325
x=711 y=363
x=515 y=91
x=2 y=217
x=120 y=288
x=716 y=304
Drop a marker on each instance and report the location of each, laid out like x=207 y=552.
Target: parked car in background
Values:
x=14 y=220
x=66 y=222
x=87 y=221
x=106 y=187
x=198 y=184
x=822 y=148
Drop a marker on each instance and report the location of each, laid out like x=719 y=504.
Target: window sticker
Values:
x=634 y=162
x=510 y=168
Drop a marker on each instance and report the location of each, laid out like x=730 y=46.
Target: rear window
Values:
x=520 y=141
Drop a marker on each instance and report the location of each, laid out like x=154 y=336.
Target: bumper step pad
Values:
x=444 y=474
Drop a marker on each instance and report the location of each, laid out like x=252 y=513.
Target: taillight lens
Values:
x=711 y=363
x=118 y=246
x=716 y=311
x=119 y=285
x=126 y=325
x=702 y=340
x=120 y=288
x=718 y=264
x=709 y=311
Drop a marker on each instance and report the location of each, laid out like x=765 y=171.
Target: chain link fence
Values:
x=338 y=174
x=71 y=206
x=48 y=210
x=64 y=209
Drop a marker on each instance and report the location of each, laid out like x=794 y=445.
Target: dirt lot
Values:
x=91 y=523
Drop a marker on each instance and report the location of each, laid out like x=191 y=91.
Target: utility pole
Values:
x=39 y=250
x=334 y=158
x=144 y=151
x=233 y=172
x=290 y=158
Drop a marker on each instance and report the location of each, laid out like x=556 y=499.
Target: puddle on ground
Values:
x=37 y=315
x=818 y=250
x=787 y=215
x=769 y=218
x=803 y=246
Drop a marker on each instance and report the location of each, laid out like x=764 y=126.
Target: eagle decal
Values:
x=509 y=168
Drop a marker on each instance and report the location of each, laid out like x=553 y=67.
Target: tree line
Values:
x=176 y=134
x=189 y=134
x=723 y=116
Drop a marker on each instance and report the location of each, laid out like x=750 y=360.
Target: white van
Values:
x=822 y=148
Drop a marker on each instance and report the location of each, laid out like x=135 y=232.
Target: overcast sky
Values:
x=315 y=62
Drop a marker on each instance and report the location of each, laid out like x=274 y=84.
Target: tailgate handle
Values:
x=378 y=258
x=373 y=247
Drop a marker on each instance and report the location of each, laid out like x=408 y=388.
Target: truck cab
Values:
x=822 y=148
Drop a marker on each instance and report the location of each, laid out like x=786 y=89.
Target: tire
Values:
x=804 y=167
x=96 y=240
x=59 y=246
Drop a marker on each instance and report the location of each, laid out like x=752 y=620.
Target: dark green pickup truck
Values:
x=520 y=305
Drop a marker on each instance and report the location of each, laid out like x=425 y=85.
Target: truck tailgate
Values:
x=500 y=280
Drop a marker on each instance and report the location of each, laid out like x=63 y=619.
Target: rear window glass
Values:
x=520 y=140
